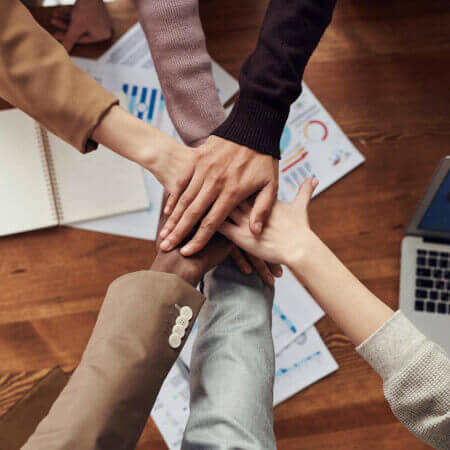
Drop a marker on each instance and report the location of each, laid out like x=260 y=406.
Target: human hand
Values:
x=172 y=164
x=285 y=232
x=225 y=175
x=87 y=22
x=246 y=263
x=191 y=269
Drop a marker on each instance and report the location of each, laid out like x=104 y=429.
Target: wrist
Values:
x=128 y=136
x=299 y=257
x=173 y=262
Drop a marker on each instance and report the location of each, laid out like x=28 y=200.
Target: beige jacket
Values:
x=109 y=397
x=38 y=77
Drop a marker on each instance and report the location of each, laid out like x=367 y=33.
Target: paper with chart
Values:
x=132 y=50
x=294 y=311
x=300 y=364
x=171 y=409
x=303 y=362
x=312 y=144
x=144 y=100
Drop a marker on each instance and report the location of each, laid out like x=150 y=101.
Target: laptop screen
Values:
x=437 y=215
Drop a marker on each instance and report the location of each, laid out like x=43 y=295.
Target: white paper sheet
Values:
x=171 y=409
x=302 y=363
x=312 y=144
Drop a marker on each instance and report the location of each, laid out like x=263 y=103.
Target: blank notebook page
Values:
x=25 y=196
x=97 y=184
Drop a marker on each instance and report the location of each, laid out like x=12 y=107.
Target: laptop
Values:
x=425 y=261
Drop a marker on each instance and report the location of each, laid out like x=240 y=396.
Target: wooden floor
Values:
x=382 y=71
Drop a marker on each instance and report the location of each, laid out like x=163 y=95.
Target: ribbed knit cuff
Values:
x=254 y=125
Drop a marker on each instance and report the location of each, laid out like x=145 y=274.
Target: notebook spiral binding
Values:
x=49 y=168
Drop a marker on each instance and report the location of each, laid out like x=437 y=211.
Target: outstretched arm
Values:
x=177 y=43
x=37 y=76
x=134 y=344
x=415 y=371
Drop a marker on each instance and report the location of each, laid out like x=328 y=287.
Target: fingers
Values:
x=171 y=202
x=240 y=261
x=305 y=192
x=261 y=209
x=276 y=269
x=231 y=232
x=237 y=216
x=209 y=225
x=191 y=216
x=245 y=207
x=60 y=24
x=182 y=202
x=175 y=195
x=262 y=269
x=71 y=37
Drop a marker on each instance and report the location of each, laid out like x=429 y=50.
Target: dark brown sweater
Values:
x=270 y=79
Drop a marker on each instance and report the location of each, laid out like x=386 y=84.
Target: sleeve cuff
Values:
x=392 y=346
x=88 y=144
x=254 y=125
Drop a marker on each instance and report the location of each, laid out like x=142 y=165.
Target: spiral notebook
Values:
x=45 y=182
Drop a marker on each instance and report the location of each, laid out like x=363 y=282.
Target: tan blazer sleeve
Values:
x=38 y=77
x=109 y=397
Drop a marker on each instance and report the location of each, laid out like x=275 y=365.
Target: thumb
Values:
x=72 y=36
x=305 y=192
x=261 y=209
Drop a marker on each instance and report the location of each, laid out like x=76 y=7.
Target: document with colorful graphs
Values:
x=313 y=145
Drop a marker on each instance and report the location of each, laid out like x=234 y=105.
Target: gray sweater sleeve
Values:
x=416 y=378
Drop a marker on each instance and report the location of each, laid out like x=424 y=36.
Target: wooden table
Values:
x=382 y=71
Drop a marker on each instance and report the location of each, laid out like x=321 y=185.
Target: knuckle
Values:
x=232 y=193
x=184 y=202
x=194 y=213
x=169 y=224
x=181 y=182
x=208 y=225
x=174 y=235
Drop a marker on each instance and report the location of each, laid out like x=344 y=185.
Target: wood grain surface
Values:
x=382 y=70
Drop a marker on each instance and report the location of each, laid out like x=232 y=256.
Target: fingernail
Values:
x=164 y=233
x=164 y=245
x=271 y=281
x=166 y=210
x=186 y=249
x=258 y=227
x=247 y=270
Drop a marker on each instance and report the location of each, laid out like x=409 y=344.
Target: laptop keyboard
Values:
x=432 y=282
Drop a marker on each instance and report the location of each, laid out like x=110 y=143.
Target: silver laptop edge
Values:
x=434 y=325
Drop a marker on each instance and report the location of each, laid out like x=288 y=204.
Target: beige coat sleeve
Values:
x=38 y=77
x=109 y=397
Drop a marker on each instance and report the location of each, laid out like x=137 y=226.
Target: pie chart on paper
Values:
x=315 y=131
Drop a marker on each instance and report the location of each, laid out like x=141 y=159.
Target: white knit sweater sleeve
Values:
x=416 y=378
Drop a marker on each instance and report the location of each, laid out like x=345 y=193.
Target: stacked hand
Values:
x=285 y=233
x=193 y=268
x=87 y=22
x=225 y=174
x=205 y=184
